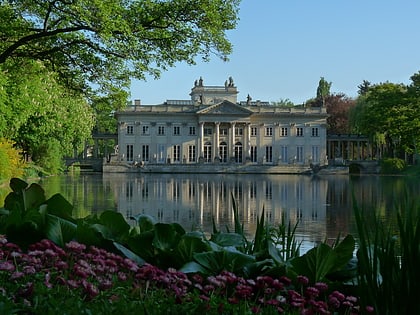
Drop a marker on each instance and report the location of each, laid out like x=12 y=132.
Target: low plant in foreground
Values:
x=47 y=279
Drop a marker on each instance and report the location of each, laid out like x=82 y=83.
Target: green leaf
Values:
x=17 y=185
x=228 y=239
x=228 y=259
x=59 y=230
x=188 y=245
x=60 y=207
x=117 y=226
x=167 y=236
x=129 y=254
x=145 y=222
x=193 y=267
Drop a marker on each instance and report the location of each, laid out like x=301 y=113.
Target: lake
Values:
x=321 y=205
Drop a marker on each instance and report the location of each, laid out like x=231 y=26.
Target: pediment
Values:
x=225 y=107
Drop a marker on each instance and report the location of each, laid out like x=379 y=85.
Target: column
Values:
x=217 y=149
x=201 y=135
x=232 y=141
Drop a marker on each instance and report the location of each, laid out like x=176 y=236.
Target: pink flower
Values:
x=6 y=266
x=302 y=280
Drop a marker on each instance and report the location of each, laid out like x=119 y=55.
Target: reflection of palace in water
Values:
x=193 y=200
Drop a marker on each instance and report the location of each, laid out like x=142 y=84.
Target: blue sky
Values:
x=281 y=48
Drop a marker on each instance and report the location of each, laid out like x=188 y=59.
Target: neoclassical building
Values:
x=212 y=127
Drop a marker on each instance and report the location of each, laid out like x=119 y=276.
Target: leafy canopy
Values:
x=107 y=42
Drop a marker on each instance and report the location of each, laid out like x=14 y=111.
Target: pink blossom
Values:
x=7 y=266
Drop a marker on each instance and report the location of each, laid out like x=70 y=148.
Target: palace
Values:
x=212 y=129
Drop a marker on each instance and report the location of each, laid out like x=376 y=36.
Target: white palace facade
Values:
x=213 y=129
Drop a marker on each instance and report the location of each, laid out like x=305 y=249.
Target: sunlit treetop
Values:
x=106 y=42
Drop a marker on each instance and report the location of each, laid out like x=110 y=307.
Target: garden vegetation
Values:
x=50 y=261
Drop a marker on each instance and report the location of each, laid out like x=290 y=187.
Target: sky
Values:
x=281 y=49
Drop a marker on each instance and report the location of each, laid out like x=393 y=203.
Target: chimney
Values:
x=137 y=103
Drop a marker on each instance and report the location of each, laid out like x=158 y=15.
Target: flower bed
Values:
x=78 y=280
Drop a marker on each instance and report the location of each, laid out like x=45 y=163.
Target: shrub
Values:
x=392 y=166
x=11 y=164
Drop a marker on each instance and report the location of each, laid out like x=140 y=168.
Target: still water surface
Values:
x=323 y=206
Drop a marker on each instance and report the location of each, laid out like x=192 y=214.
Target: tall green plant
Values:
x=388 y=260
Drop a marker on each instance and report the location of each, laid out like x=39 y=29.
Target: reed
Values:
x=388 y=260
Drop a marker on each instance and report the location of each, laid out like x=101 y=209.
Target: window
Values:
x=283 y=154
x=130 y=130
x=207 y=152
x=269 y=154
x=268 y=131
x=315 y=132
x=161 y=153
x=177 y=131
x=238 y=132
x=177 y=153
x=192 y=131
x=315 y=154
x=161 y=130
x=191 y=153
x=223 y=131
x=208 y=131
x=223 y=152
x=299 y=132
x=299 y=154
x=283 y=132
x=254 y=131
x=238 y=152
x=145 y=152
x=253 y=154
x=145 y=130
x=130 y=150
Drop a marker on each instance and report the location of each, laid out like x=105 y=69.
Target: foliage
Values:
x=286 y=103
x=390 y=114
x=323 y=90
x=338 y=107
x=104 y=43
x=388 y=260
x=77 y=279
x=44 y=119
x=392 y=166
x=11 y=164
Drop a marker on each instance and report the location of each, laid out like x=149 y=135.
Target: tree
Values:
x=323 y=90
x=105 y=43
x=283 y=103
x=363 y=87
x=45 y=119
x=338 y=107
x=390 y=114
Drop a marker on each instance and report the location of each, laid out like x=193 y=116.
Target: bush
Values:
x=392 y=166
x=11 y=164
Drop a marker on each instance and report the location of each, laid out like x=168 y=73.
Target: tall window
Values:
x=299 y=154
x=269 y=154
x=177 y=131
x=238 y=152
x=191 y=153
x=161 y=153
x=253 y=153
x=130 y=129
x=145 y=152
x=207 y=152
x=223 y=131
x=208 y=131
x=161 y=130
x=284 y=154
x=254 y=131
x=299 y=132
x=223 y=152
x=315 y=154
x=192 y=131
x=268 y=131
x=130 y=150
x=283 y=132
x=176 y=153
x=315 y=132
x=145 y=130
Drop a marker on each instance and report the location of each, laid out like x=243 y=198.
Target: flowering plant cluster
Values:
x=84 y=280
